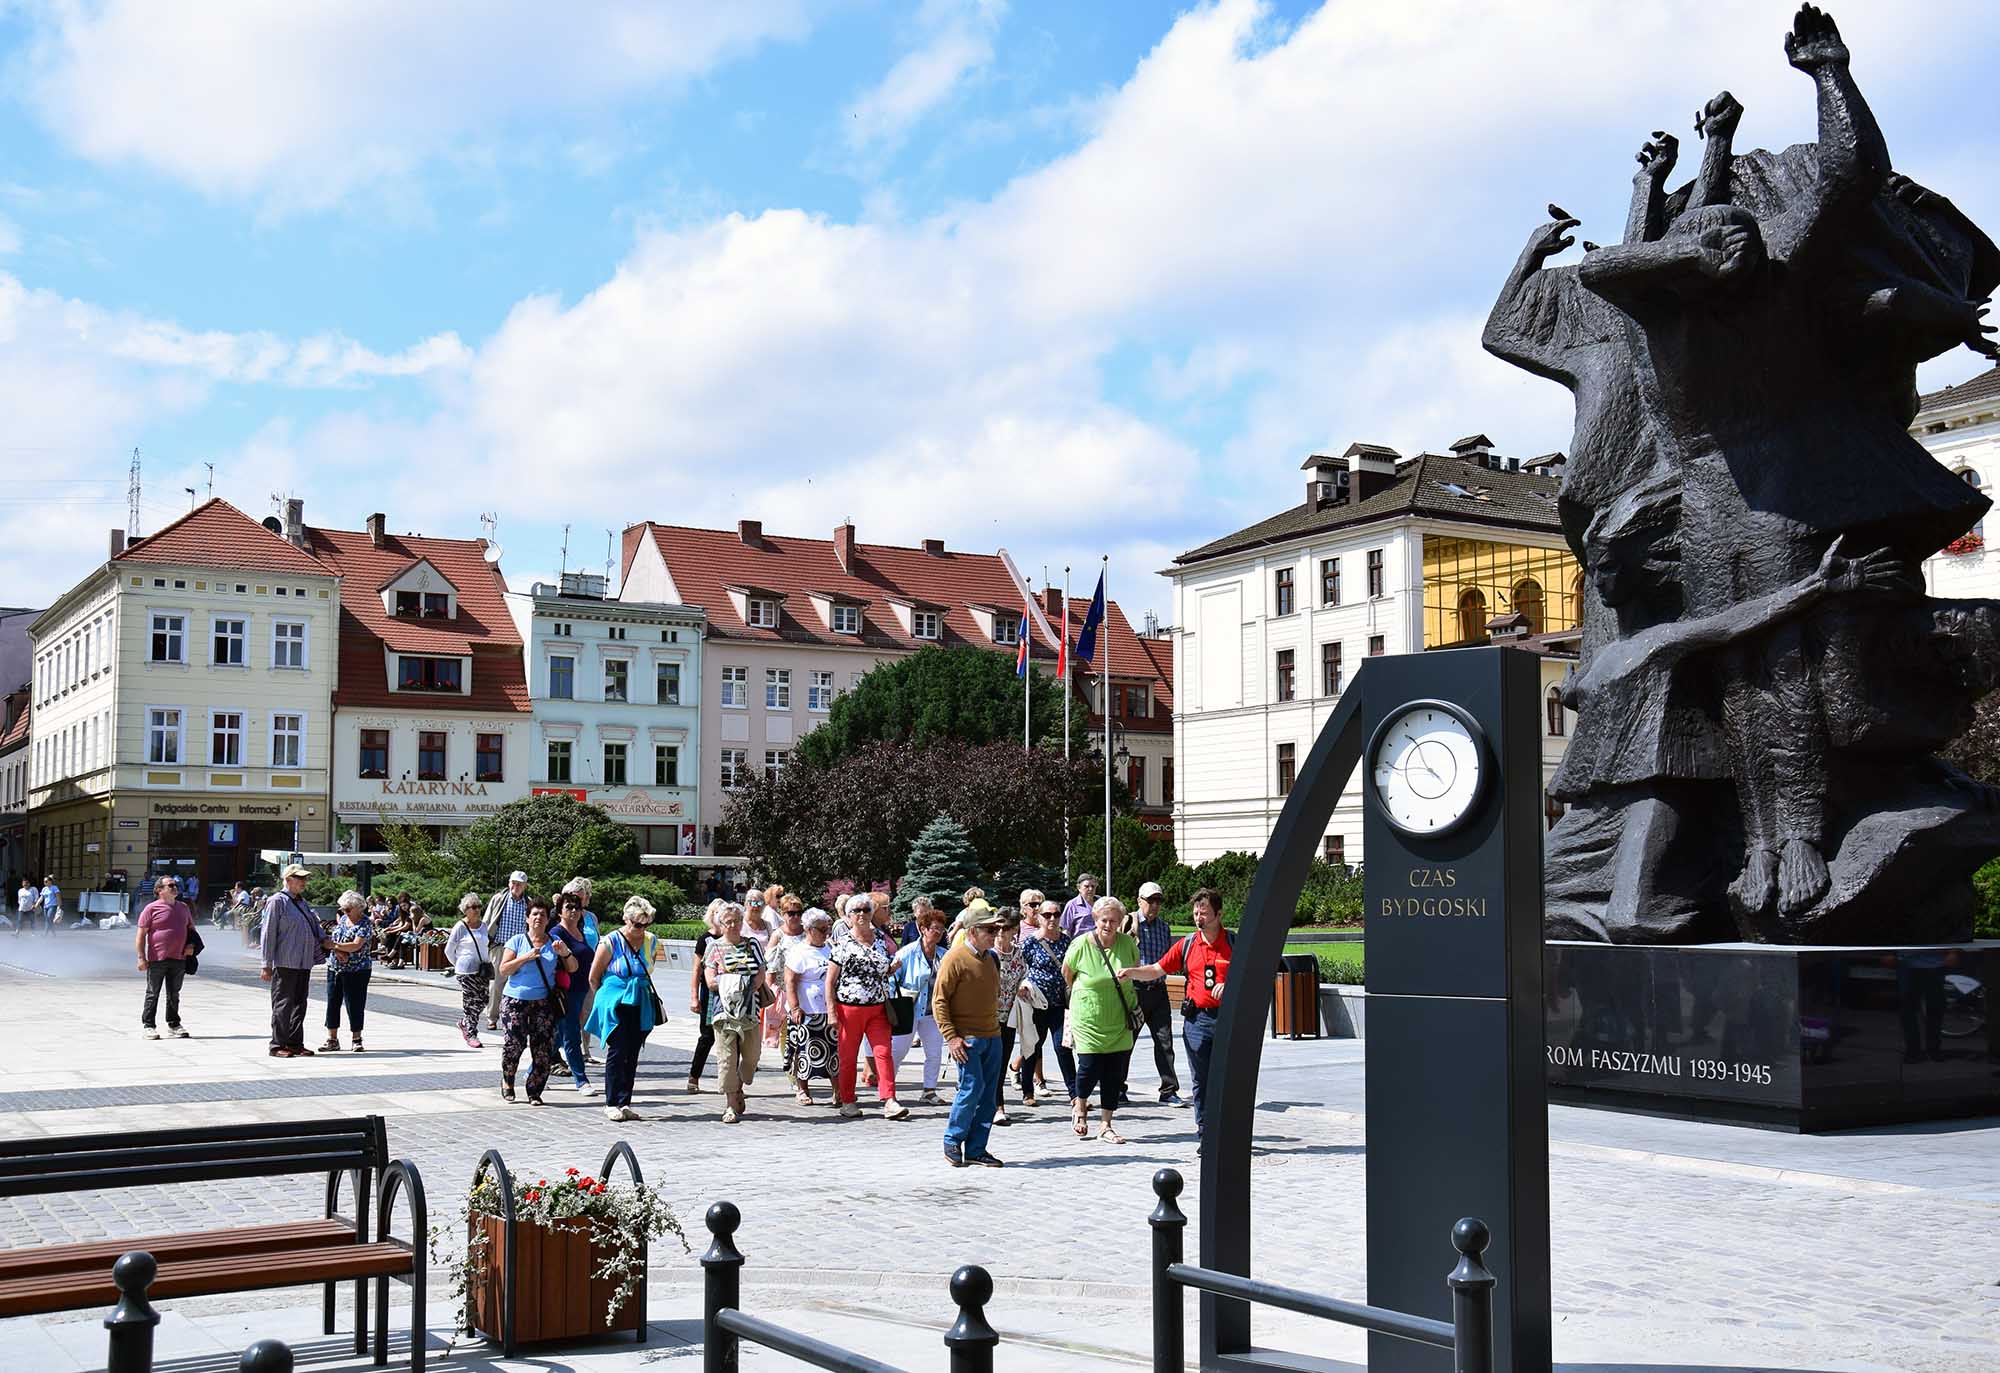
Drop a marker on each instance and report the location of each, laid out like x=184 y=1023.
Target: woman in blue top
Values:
x=911 y=975
x=348 y=964
x=580 y=939
x=622 y=1013
x=530 y=962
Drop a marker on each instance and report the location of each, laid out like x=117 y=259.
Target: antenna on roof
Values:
x=565 y=549
x=211 y=479
x=489 y=521
x=610 y=542
x=132 y=500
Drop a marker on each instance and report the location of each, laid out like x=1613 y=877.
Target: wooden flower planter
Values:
x=430 y=958
x=556 y=1298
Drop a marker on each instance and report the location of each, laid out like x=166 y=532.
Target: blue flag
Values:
x=1086 y=638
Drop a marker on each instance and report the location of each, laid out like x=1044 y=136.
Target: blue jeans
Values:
x=569 y=1036
x=1198 y=1035
x=971 y=1119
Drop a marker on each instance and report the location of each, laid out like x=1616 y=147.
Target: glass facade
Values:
x=1468 y=582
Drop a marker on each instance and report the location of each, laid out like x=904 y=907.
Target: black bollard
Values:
x=266 y=1356
x=133 y=1320
x=1169 y=1300
x=1471 y=1286
x=972 y=1337
x=721 y=1288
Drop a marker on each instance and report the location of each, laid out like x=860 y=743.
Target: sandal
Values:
x=332 y=1046
x=506 y=1093
x=1080 y=1121
x=1110 y=1136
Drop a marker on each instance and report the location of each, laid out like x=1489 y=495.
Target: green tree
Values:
x=967 y=694
x=1137 y=855
x=551 y=838
x=941 y=865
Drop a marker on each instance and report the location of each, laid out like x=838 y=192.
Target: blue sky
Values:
x=1071 y=279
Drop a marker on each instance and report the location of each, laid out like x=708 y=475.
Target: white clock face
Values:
x=1427 y=769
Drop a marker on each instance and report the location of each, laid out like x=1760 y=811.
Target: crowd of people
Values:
x=992 y=993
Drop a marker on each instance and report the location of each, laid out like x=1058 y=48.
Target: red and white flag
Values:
x=1062 y=646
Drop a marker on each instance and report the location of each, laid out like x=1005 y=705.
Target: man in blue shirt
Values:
x=51 y=903
x=506 y=916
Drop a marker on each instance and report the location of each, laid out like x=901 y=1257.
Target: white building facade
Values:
x=1960 y=425
x=617 y=690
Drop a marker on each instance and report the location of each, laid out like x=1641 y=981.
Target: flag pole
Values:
x=1104 y=712
x=1027 y=678
x=1062 y=654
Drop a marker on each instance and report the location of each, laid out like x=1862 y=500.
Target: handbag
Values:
x=1134 y=1021
x=902 y=1012
x=646 y=980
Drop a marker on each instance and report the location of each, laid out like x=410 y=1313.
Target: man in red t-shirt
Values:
x=1204 y=957
x=164 y=927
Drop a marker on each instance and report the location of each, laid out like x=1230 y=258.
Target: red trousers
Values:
x=853 y=1022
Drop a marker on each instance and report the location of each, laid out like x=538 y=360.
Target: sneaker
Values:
x=1000 y=1118
x=1172 y=1099
x=587 y=1089
x=930 y=1098
x=893 y=1109
x=151 y=1033
x=471 y=1039
x=614 y=1113
x=1029 y=1102
x=629 y=1113
x=730 y=1117
x=954 y=1155
x=849 y=1110
x=332 y=1046
x=176 y=1032
x=986 y=1161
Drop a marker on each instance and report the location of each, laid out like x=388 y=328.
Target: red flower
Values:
x=590 y=1182
x=572 y=1172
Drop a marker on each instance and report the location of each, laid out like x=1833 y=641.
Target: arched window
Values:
x=1555 y=704
x=1577 y=599
x=1471 y=615
x=1528 y=603
x=1970 y=477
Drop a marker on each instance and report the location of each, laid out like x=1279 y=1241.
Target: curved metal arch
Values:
x=361 y=1189
x=622 y=1150
x=510 y=1261
x=402 y=1175
x=1239 y=1040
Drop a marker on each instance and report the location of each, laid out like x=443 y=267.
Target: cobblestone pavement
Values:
x=1735 y=1250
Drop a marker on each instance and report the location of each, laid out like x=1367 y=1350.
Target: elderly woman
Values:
x=1101 y=1009
x=857 y=988
x=1043 y=945
x=529 y=961
x=809 y=1046
x=581 y=941
x=465 y=949
x=580 y=888
x=621 y=1013
x=698 y=995
x=912 y=974
x=791 y=931
x=347 y=967
x=734 y=969
x=1013 y=961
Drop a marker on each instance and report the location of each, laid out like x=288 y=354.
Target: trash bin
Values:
x=1295 y=1000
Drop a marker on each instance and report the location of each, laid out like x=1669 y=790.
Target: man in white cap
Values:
x=293 y=943
x=506 y=916
x=1154 y=936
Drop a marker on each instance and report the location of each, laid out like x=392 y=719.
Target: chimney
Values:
x=117 y=542
x=1327 y=482
x=378 y=532
x=295 y=522
x=1374 y=469
x=843 y=545
x=934 y=547
x=1052 y=605
x=751 y=532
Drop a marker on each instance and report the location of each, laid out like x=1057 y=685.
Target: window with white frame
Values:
x=169 y=637
x=736 y=687
x=1006 y=629
x=763 y=613
x=227 y=637
x=924 y=624
x=735 y=762
x=774 y=762
x=225 y=738
x=288 y=739
x=819 y=692
x=777 y=688
x=288 y=643
x=847 y=619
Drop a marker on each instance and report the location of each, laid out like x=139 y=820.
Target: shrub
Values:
x=1986 y=923
x=1341 y=965
x=608 y=896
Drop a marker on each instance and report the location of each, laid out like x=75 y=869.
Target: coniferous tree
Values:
x=941 y=865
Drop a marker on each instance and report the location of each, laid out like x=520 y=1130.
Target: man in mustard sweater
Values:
x=965 y=998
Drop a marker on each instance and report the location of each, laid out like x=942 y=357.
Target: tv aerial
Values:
x=490 y=522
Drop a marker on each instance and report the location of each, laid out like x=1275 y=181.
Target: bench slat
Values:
x=208 y=1277
x=168 y=1173
x=249 y=1239
x=372 y=1126
x=109 y=1154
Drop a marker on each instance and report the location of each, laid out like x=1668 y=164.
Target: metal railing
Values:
x=724 y=1326
x=129 y=1344
x=1468 y=1334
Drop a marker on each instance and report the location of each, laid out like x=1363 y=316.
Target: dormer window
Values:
x=1006 y=629
x=761 y=613
x=427 y=674
x=423 y=605
x=924 y=624
x=846 y=619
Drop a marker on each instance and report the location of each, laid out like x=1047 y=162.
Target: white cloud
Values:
x=957 y=41
x=303 y=103
x=10 y=237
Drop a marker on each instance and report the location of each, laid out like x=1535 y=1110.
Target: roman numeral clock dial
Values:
x=1427 y=768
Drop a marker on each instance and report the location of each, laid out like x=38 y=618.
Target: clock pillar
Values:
x=1457 y=1108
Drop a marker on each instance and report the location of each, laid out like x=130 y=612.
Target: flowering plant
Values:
x=619 y=1219
x=1966 y=543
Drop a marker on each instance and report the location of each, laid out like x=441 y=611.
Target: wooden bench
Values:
x=325 y=1251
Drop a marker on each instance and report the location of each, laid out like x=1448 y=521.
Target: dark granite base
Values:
x=1800 y=1038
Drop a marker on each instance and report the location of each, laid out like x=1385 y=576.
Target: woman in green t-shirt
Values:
x=1100 y=1013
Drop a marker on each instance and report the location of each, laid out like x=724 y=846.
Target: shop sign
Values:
x=574 y=793
x=222 y=832
x=638 y=802
x=277 y=810
x=128 y=824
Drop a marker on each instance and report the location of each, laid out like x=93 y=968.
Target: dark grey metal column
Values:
x=1457 y=1107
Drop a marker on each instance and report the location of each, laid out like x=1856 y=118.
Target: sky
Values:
x=1073 y=280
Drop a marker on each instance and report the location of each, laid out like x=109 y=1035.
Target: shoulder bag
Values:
x=1134 y=1021
x=556 y=997
x=646 y=978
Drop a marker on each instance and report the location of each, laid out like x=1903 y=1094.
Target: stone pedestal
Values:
x=1787 y=1037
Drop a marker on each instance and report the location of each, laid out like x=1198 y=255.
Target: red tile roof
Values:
x=483 y=628
x=1132 y=656
x=705 y=563
x=217 y=534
